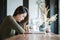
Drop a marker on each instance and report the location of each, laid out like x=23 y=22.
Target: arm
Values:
x=15 y=25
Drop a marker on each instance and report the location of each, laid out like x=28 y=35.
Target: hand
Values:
x=26 y=30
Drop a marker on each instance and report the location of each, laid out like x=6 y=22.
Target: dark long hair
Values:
x=22 y=10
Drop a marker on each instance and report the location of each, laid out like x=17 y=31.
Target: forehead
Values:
x=23 y=14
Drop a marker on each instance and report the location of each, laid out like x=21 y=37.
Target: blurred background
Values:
x=7 y=7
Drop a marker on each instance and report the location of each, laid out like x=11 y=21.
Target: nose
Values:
x=23 y=18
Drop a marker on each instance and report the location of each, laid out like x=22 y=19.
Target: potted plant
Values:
x=46 y=20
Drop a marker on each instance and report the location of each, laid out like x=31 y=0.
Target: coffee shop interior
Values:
x=44 y=18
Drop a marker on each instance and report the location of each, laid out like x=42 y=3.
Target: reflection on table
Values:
x=36 y=36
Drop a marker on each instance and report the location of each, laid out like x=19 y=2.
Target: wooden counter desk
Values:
x=36 y=36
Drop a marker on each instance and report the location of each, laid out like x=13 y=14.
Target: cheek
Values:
x=21 y=18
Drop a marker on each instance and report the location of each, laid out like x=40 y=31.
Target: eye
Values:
x=23 y=16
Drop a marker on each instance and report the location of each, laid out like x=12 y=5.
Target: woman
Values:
x=24 y=22
x=15 y=24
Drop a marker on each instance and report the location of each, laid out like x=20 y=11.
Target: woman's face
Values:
x=21 y=17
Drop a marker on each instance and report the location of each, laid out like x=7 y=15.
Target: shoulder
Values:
x=5 y=21
x=7 y=17
x=11 y=19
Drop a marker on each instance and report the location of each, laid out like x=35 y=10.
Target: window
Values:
x=35 y=17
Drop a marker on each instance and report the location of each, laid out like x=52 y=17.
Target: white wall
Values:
x=12 y=5
x=32 y=9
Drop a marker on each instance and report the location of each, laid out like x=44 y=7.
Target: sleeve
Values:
x=15 y=25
